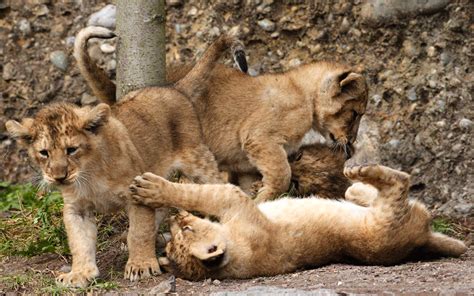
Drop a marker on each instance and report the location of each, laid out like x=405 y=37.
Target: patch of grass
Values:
x=15 y=282
x=442 y=225
x=34 y=222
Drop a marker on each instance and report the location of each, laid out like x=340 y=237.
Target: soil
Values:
x=420 y=73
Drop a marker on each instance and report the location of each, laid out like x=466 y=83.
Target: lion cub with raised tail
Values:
x=282 y=236
x=92 y=153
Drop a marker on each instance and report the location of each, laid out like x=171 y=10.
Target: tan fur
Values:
x=315 y=170
x=254 y=123
x=92 y=154
x=287 y=234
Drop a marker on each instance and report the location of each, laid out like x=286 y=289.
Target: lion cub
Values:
x=253 y=123
x=287 y=234
x=92 y=153
x=316 y=169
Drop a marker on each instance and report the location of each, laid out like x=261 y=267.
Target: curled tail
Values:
x=101 y=85
x=195 y=81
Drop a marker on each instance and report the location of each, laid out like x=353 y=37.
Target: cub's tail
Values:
x=195 y=81
x=102 y=87
x=443 y=245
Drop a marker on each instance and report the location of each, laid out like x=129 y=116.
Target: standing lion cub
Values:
x=287 y=234
x=92 y=153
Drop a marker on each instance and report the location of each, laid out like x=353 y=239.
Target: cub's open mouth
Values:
x=214 y=262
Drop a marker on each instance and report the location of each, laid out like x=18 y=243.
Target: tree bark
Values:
x=141 y=45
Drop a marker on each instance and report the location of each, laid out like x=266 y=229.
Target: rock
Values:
x=410 y=49
x=465 y=123
x=165 y=287
x=193 y=11
x=8 y=72
x=345 y=25
x=24 y=26
x=411 y=94
x=431 y=51
x=65 y=268
x=88 y=99
x=270 y=290
x=216 y=282
x=376 y=99
x=457 y=147
x=445 y=58
x=463 y=208
x=104 y=17
x=253 y=72
x=394 y=143
x=267 y=25
x=388 y=11
x=294 y=62
x=59 y=59
x=107 y=48
x=41 y=10
x=174 y=3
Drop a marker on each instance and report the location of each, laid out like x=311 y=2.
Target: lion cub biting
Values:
x=92 y=153
x=316 y=169
x=287 y=234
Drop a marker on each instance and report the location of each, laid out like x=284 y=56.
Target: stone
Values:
x=267 y=25
x=165 y=287
x=104 y=17
x=8 y=72
x=345 y=25
x=294 y=63
x=410 y=49
x=216 y=282
x=389 y=11
x=394 y=143
x=457 y=147
x=411 y=94
x=463 y=208
x=59 y=59
x=431 y=51
x=24 y=26
x=107 y=48
x=193 y=11
x=41 y=10
x=70 y=41
x=174 y=3
x=465 y=123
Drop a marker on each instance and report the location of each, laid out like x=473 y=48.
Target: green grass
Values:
x=34 y=222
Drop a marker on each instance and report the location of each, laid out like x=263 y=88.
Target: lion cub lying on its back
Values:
x=284 y=235
x=92 y=153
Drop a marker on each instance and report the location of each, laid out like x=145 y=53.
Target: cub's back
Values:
x=160 y=122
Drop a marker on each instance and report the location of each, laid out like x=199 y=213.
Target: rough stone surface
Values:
x=59 y=59
x=104 y=17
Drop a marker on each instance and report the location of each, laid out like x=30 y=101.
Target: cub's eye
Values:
x=44 y=153
x=71 y=150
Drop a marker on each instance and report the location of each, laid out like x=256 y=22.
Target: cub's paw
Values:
x=265 y=194
x=78 y=279
x=376 y=175
x=136 y=270
x=147 y=189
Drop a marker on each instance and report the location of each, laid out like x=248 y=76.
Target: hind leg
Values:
x=361 y=194
x=378 y=176
x=199 y=165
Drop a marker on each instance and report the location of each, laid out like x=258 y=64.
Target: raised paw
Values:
x=137 y=270
x=376 y=175
x=147 y=189
x=78 y=279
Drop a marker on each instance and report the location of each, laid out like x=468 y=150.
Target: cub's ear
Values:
x=21 y=131
x=96 y=117
x=352 y=83
x=206 y=252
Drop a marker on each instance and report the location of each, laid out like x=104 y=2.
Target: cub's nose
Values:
x=60 y=179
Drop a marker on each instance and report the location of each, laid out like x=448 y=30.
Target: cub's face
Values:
x=197 y=246
x=60 y=140
x=341 y=102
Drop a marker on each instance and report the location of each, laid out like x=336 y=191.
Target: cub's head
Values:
x=318 y=169
x=197 y=247
x=339 y=105
x=61 y=140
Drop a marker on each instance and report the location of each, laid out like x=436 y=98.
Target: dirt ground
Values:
x=420 y=73
x=445 y=276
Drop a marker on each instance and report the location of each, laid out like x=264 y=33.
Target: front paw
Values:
x=147 y=189
x=78 y=279
x=136 y=270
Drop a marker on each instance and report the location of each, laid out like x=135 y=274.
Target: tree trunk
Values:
x=141 y=44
